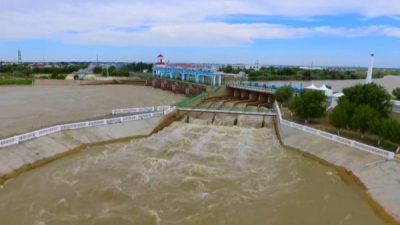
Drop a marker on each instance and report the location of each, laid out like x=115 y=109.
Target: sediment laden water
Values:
x=186 y=174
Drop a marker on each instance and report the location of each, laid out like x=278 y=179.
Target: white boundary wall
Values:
x=145 y=109
x=39 y=133
x=363 y=147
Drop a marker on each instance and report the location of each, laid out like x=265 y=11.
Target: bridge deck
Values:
x=250 y=88
x=232 y=111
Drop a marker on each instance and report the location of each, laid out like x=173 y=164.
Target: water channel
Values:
x=188 y=173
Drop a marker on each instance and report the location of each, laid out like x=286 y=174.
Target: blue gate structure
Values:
x=200 y=76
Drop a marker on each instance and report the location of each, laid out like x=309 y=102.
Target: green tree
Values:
x=111 y=69
x=349 y=107
x=362 y=115
x=228 y=69
x=308 y=105
x=339 y=118
x=97 y=70
x=391 y=131
x=27 y=72
x=283 y=94
x=371 y=94
x=307 y=74
x=329 y=87
x=104 y=72
x=113 y=72
x=375 y=127
x=396 y=93
x=253 y=74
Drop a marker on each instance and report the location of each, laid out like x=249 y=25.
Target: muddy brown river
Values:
x=26 y=108
x=188 y=173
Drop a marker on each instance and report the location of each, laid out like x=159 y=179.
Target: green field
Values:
x=16 y=81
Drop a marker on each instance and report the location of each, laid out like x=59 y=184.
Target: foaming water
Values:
x=185 y=174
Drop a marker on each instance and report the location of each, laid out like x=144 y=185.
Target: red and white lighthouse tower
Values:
x=160 y=61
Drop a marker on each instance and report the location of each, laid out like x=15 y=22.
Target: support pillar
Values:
x=196 y=78
x=213 y=81
x=170 y=75
x=183 y=76
x=161 y=74
x=201 y=79
x=219 y=80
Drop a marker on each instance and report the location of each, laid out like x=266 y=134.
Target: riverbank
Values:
x=6 y=82
x=58 y=145
x=28 y=155
x=378 y=176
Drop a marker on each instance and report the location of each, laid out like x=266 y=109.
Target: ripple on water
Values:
x=185 y=174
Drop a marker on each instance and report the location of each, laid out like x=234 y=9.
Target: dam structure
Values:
x=214 y=158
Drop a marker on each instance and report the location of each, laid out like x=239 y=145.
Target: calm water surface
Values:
x=25 y=108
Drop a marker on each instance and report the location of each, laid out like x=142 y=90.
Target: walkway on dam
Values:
x=251 y=88
x=247 y=111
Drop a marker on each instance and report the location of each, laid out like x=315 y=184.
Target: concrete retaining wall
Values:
x=16 y=157
x=380 y=176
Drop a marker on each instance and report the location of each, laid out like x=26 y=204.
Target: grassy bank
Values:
x=16 y=81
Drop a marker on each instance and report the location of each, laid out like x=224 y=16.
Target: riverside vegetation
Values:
x=274 y=73
x=363 y=108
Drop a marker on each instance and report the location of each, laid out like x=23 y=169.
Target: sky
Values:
x=284 y=32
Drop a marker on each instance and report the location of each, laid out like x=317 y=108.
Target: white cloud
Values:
x=392 y=32
x=178 y=22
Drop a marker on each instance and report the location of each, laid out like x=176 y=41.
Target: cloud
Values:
x=179 y=22
x=215 y=34
x=392 y=32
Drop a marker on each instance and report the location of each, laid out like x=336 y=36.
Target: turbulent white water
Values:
x=185 y=174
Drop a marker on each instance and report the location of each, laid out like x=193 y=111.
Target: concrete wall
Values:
x=381 y=177
x=16 y=157
x=237 y=93
x=245 y=94
x=254 y=96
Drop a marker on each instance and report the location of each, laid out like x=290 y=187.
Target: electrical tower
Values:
x=19 y=56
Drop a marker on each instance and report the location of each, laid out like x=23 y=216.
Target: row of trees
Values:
x=22 y=70
x=366 y=108
x=274 y=73
x=112 y=71
x=124 y=70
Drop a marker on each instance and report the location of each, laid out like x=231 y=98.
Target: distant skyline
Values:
x=287 y=32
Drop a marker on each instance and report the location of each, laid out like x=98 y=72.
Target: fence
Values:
x=39 y=133
x=135 y=110
x=363 y=147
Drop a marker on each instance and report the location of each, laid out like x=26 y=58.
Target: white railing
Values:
x=251 y=88
x=163 y=110
x=132 y=110
x=135 y=110
x=332 y=137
